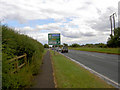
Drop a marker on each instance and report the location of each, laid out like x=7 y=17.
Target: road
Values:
x=105 y=64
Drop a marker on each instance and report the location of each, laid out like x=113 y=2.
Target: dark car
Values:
x=58 y=49
x=64 y=49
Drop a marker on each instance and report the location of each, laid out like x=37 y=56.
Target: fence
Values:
x=16 y=63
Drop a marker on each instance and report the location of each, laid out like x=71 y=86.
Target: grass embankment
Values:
x=71 y=75
x=101 y=50
x=15 y=44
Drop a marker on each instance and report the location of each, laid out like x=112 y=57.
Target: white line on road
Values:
x=98 y=74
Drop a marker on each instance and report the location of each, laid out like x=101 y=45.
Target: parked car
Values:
x=64 y=49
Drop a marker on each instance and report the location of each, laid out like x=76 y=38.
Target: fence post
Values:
x=16 y=63
x=25 y=58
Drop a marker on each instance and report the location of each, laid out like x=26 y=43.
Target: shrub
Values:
x=15 y=44
x=114 y=41
x=46 y=46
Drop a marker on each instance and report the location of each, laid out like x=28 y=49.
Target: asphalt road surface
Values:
x=105 y=64
x=45 y=78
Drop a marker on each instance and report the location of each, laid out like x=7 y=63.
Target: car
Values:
x=64 y=49
x=52 y=48
x=58 y=49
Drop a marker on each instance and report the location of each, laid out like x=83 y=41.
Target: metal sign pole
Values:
x=54 y=49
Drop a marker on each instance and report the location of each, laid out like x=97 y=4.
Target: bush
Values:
x=75 y=45
x=114 y=41
x=46 y=46
x=15 y=44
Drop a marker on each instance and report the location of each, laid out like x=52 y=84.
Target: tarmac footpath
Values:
x=45 y=78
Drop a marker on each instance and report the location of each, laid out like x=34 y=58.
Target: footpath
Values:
x=45 y=78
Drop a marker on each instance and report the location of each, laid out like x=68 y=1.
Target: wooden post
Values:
x=16 y=63
x=25 y=58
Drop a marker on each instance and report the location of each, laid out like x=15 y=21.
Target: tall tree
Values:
x=114 y=41
x=46 y=46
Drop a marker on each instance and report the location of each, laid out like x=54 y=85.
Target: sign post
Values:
x=54 y=39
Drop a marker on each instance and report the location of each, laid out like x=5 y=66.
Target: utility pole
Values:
x=114 y=21
x=111 y=24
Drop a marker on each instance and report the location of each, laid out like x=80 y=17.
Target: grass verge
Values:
x=101 y=50
x=71 y=75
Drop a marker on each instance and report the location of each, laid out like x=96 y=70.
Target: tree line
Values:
x=112 y=42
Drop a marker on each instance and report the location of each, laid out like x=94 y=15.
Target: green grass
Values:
x=45 y=51
x=102 y=50
x=71 y=75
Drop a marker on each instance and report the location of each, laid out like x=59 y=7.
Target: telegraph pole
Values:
x=114 y=21
x=111 y=24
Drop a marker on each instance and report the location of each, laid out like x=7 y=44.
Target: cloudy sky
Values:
x=78 y=21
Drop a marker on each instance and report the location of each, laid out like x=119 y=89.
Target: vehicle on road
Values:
x=64 y=49
x=52 y=48
x=58 y=49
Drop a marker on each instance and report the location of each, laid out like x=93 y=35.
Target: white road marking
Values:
x=98 y=74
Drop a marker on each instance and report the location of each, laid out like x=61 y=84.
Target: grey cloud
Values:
x=88 y=3
x=101 y=25
x=103 y=22
x=17 y=17
x=48 y=28
x=82 y=8
x=11 y=12
x=98 y=11
x=19 y=12
x=71 y=35
x=51 y=11
x=77 y=34
x=85 y=5
x=88 y=34
x=6 y=4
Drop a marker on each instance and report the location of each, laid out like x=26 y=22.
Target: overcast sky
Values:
x=78 y=21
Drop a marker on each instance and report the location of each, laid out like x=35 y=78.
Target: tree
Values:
x=46 y=46
x=60 y=46
x=65 y=44
x=114 y=41
x=75 y=45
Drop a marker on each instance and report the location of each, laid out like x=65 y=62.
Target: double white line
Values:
x=98 y=74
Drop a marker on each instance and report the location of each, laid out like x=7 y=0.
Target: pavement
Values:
x=105 y=64
x=45 y=78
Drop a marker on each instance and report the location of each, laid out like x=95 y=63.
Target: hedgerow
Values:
x=15 y=44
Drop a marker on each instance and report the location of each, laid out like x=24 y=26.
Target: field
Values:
x=71 y=75
x=101 y=50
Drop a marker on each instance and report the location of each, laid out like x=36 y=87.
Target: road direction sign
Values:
x=54 y=38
